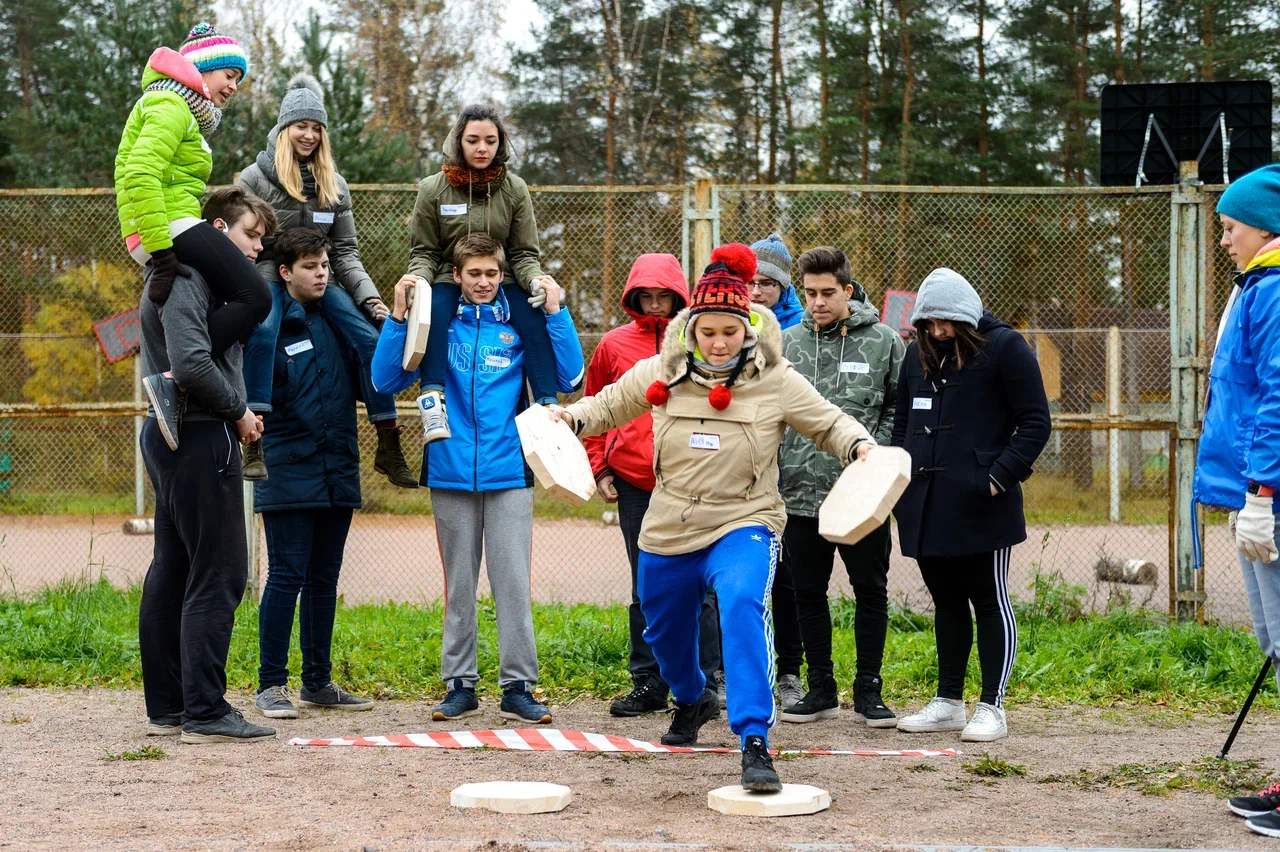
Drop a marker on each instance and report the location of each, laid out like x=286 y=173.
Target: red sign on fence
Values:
x=896 y=313
x=119 y=336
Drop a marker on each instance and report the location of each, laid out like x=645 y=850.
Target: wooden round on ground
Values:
x=512 y=797
x=794 y=800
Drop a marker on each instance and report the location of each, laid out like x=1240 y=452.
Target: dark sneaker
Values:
x=821 y=702
x=869 y=707
x=274 y=702
x=647 y=697
x=231 y=728
x=389 y=460
x=167 y=401
x=519 y=704
x=1263 y=803
x=459 y=702
x=1268 y=824
x=164 y=726
x=688 y=718
x=758 y=775
x=333 y=697
x=722 y=691
x=255 y=463
x=790 y=691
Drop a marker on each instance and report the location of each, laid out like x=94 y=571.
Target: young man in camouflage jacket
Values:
x=853 y=360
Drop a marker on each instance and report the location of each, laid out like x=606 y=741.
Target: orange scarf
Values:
x=460 y=176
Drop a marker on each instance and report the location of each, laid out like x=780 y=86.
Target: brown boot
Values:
x=389 y=460
x=255 y=464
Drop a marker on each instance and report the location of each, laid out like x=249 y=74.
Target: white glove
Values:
x=537 y=296
x=1231 y=524
x=1256 y=530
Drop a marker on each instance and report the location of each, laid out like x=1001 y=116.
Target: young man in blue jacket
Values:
x=307 y=503
x=479 y=474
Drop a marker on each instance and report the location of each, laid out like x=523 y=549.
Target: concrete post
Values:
x=251 y=543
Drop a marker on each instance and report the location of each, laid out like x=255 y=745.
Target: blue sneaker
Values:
x=519 y=704
x=460 y=702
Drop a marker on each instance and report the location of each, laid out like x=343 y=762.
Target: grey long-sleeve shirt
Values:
x=175 y=336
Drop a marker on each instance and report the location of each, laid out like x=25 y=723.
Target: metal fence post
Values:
x=1113 y=411
x=251 y=543
x=139 y=496
x=1187 y=293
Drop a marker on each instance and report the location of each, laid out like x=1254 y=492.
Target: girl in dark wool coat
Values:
x=973 y=415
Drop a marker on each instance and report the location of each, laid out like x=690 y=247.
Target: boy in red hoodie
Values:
x=622 y=460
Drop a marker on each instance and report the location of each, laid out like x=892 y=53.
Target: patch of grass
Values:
x=1221 y=778
x=988 y=766
x=147 y=752
x=922 y=767
x=15 y=719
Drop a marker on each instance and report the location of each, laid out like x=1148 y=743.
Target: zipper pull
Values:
x=684 y=516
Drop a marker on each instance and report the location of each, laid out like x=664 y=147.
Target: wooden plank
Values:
x=864 y=495
x=555 y=455
x=418 y=320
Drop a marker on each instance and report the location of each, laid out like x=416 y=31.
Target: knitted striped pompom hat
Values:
x=209 y=50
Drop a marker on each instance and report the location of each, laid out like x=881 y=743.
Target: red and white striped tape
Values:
x=552 y=739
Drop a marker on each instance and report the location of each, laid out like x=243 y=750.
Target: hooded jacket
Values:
x=627 y=451
x=717 y=471
x=853 y=363
x=336 y=222
x=1241 y=436
x=788 y=311
x=967 y=430
x=163 y=161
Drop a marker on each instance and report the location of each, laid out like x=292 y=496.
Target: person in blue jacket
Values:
x=1238 y=463
x=307 y=503
x=479 y=474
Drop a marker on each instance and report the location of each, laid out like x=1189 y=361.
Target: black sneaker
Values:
x=820 y=702
x=1268 y=824
x=461 y=701
x=868 y=706
x=722 y=690
x=519 y=704
x=231 y=728
x=1255 y=806
x=168 y=402
x=758 y=775
x=164 y=726
x=689 y=718
x=333 y=697
x=647 y=697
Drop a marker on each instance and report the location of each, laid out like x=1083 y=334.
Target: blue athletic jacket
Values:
x=484 y=391
x=788 y=311
x=1241 y=436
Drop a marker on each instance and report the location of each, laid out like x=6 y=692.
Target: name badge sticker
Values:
x=704 y=441
x=861 y=367
x=497 y=362
x=922 y=402
x=322 y=218
x=453 y=209
x=301 y=346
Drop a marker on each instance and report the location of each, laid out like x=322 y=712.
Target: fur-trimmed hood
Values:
x=767 y=350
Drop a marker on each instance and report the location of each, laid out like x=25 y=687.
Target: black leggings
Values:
x=529 y=322
x=787 y=643
x=954 y=582
x=232 y=278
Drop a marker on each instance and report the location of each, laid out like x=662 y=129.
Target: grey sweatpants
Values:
x=1262 y=588
x=498 y=524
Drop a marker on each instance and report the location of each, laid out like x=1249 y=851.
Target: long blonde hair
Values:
x=289 y=170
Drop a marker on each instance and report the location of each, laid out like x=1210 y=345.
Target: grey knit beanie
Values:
x=946 y=295
x=773 y=260
x=303 y=101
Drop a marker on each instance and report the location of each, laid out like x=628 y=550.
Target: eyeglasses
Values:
x=764 y=285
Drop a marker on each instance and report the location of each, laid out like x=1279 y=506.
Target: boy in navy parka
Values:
x=480 y=473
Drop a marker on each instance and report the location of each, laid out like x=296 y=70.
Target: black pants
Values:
x=633 y=502
x=232 y=278
x=867 y=564
x=304 y=558
x=983 y=580
x=787 y=642
x=529 y=322
x=198 y=572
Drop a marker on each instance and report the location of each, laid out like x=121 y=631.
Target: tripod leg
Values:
x=1244 y=711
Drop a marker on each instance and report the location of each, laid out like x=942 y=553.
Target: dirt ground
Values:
x=395 y=557
x=58 y=791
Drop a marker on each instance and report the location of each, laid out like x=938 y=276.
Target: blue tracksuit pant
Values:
x=740 y=568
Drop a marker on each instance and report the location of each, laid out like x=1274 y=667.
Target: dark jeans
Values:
x=955 y=582
x=356 y=330
x=198 y=571
x=633 y=502
x=786 y=621
x=304 y=556
x=232 y=278
x=529 y=322
x=867 y=564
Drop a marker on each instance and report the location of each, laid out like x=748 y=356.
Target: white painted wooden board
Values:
x=512 y=797
x=555 y=455
x=864 y=495
x=794 y=800
x=418 y=322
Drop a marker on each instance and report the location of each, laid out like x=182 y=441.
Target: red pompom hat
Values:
x=722 y=289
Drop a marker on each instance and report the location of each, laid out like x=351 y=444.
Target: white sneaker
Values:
x=940 y=714
x=435 y=418
x=987 y=725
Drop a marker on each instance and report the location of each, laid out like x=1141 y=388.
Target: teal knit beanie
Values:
x=1255 y=199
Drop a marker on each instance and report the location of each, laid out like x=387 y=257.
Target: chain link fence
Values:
x=1084 y=273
